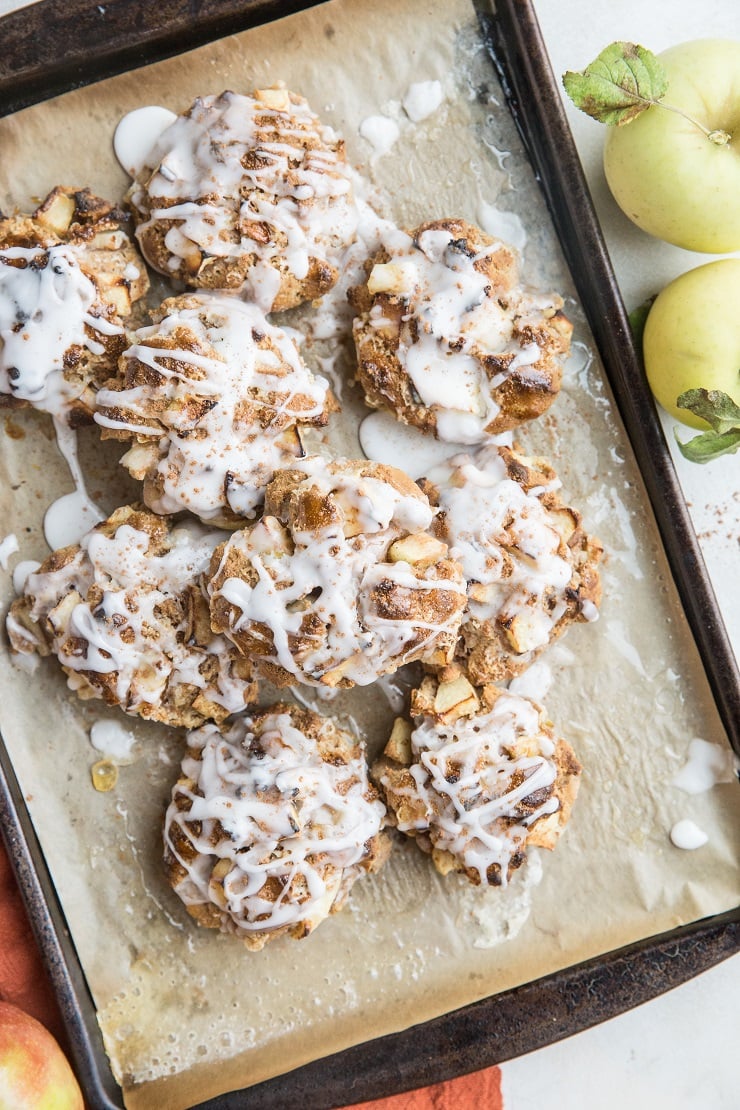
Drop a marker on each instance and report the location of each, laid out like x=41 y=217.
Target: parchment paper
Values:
x=186 y=1013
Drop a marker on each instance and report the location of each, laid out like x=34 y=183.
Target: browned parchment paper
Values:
x=185 y=1013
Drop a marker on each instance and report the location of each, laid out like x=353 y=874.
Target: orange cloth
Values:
x=23 y=980
x=24 y=983
x=481 y=1089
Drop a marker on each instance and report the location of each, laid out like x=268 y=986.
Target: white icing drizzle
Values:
x=340 y=574
x=121 y=632
x=235 y=161
x=229 y=385
x=45 y=311
x=67 y=519
x=71 y=516
x=268 y=803
x=21 y=572
x=534 y=682
x=333 y=316
x=450 y=323
x=515 y=560
x=472 y=786
x=385 y=439
x=502 y=225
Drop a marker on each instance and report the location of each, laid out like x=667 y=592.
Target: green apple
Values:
x=665 y=173
x=34 y=1072
x=692 y=336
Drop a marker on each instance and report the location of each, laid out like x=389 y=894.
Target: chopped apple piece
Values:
x=564 y=521
x=418 y=549
x=56 y=212
x=216 y=886
x=454 y=699
x=118 y=296
x=399 y=742
x=392 y=277
x=60 y=614
x=528 y=630
x=108 y=240
x=140 y=458
x=277 y=99
x=484 y=594
x=335 y=675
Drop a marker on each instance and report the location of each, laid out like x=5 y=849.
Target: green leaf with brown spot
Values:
x=624 y=81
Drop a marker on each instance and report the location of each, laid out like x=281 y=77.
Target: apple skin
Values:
x=692 y=336
x=664 y=173
x=34 y=1072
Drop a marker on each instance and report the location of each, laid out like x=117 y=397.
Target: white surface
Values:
x=678 y=1051
x=575 y=31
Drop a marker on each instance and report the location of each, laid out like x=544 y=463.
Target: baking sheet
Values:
x=185 y=1013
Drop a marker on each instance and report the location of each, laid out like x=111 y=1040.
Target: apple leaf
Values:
x=619 y=85
x=717 y=408
x=637 y=320
x=723 y=416
x=709 y=445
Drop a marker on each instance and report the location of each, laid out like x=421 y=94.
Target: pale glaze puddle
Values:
x=114 y=739
x=8 y=547
x=137 y=133
x=21 y=572
x=385 y=440
x=422 y=99
x=687 y=835
x=707 y=765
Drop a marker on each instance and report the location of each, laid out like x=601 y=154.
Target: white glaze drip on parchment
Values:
x=72 y=515
x=136 y=134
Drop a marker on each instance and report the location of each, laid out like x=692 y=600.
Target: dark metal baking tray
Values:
x=51 y=48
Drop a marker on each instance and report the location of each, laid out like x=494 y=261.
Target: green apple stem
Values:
x=718 y=137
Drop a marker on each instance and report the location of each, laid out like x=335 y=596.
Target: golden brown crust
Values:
x=354 y=585
x=203 y=272
x=213 y=396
